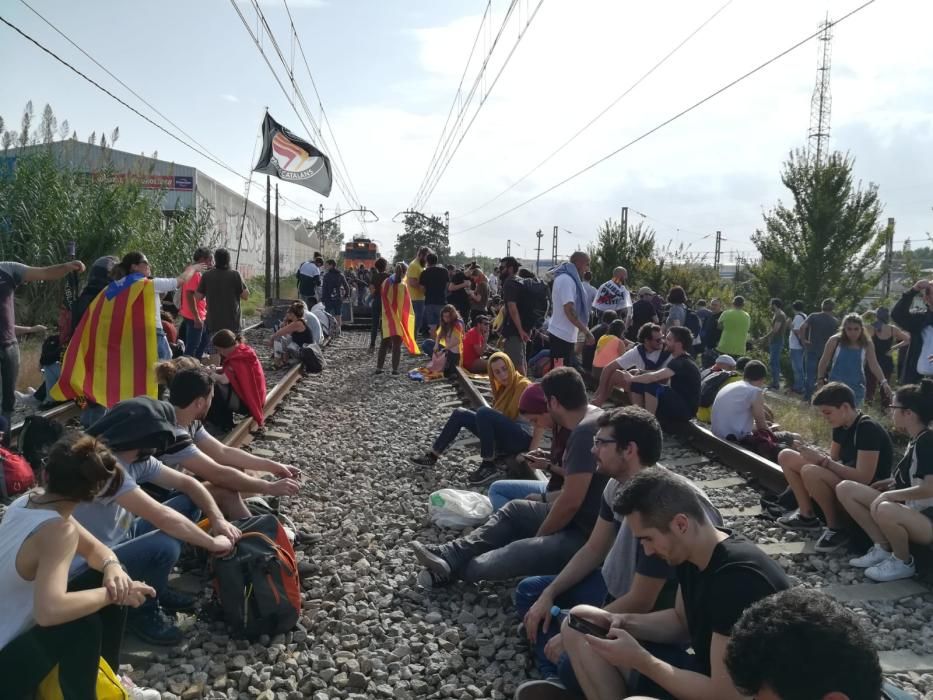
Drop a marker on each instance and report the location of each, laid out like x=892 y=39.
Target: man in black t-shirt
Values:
x=434 y=279
x=719 y=574
x=861 y=451
x=515 y=326
x=680 y=398
x=457 y=293
x=643 y=312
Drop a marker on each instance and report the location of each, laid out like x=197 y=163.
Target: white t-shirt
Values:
x=793 y=342
x=162 y=285
x=564 y=291
x=924 y=366
x=309 y=269
x=632 y=358
x=314 y=325
x=591 y=293
x=732 y=410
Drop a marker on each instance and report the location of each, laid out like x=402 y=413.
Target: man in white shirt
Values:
x=647 y=356
x=570 y=310
x=739 y=407
x=309 y=279
x=613 y=295
x=796 y=347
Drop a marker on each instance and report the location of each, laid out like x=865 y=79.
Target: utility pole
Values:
x=716 y=258
x=888 y=256
x=268 y=284
x=508 y=247
x=821 y=102
x=278 y=289
x=320 y=228
x=624 y=221
x=554 y=248
x=538 y=260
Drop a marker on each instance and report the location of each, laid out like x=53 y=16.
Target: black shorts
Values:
x=674 y=655
x=561 y=349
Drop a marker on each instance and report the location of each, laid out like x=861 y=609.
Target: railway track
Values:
x=898 y=612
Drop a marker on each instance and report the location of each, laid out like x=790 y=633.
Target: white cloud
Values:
x=229 y=98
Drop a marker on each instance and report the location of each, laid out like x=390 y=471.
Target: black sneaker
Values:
x=151 y=625
x=173 y=601
x=428 y=459
x=795 y=521
x=831 y=540
x=486 y=474
x=437 y=571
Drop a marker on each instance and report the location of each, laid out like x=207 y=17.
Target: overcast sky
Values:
x=387 y=72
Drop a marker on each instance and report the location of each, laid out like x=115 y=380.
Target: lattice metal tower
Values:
x=822 y=100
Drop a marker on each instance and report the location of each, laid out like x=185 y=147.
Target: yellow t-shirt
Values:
x=414 y=274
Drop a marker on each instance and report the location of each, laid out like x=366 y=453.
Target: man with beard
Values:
x=219 y=466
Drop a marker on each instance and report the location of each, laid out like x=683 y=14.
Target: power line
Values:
x=667 y=121
x=599 y=116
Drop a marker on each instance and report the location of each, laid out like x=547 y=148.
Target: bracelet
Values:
x=108 y=562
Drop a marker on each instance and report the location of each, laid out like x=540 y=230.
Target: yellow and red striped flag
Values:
x=398 y=316
x=113 y=349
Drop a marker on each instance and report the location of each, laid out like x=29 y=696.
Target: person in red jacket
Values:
x=240 y=379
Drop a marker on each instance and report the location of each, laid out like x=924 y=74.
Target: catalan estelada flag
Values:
x=398 y=316
x=113 y=349
x=289 y=157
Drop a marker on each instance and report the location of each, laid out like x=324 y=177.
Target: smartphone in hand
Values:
x=581 y=624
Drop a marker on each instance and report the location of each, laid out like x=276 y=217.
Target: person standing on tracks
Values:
x=719 y=574
x=710 y=333
x=861 y=451
x=224 y=289
x=415 y=290
x=309 y=279
x=734 y=324
x=920 y=326
x=524 y=537
x=886 y=337
x=334 y=289
x=433 y=281
x=614 y=296
x=516 y=324
x=643 y=312
x=379 y=275
x=12 y=275
x=898 y=511
x=796 y=348
x=570 y=310
x=194 y=330
x=479 y=294
x=814 y=333
x=398 y=319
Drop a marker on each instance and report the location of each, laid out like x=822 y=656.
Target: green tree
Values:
x=826 y=243
x=420 y=231
x=676 y=265
x=631 y=249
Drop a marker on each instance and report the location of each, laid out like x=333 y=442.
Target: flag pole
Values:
x=278 y=290
x=268 y=286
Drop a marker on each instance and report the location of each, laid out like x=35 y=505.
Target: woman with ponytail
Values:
x=895 y=512
x=45 y=620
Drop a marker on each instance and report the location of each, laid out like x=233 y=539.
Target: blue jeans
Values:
x=796 y=361
x=163 y=349
x=497 y=433
x=590 y=591
x=195 y=338
x=432 y=314
x=501 y=492
x=812 y=365
x=418 y=308
x=775 y=350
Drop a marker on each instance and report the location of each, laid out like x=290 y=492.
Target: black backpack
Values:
x=538 y=301
x=710 y=386
x=312 y=358
x=257 y=584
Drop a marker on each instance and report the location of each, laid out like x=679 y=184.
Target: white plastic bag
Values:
x=458 y=509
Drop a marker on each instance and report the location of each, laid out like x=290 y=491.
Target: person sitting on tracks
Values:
x=145 y=534
x=861 y=451
x=313 y=323
x=47 y=620
x=895 y=512
x=450 y=338
x=739 y=407
x=501 y=429
x=219 y=466
x=648 y=355
x=598 y=331
x=629 y=439
x=399 y=323
x=286 y=342
x=611 y=345
x=679 y=399
x=525 y=537
x=803 y=644
x=478 y=295
x=723 y=371
x=476 y=345
x=719 y=575
x=239 y=382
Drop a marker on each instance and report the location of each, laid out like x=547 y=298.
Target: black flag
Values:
x=293 y=159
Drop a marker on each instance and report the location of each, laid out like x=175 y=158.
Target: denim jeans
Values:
x=9 y=372
x=812 y=365
x=796 y=362
x=163 y=349
x=418 y=308
x=497 y=433
x=195 y=338
x=590 y=591
x=507 y=546
x=501 y=492
x=774 y=351
x=51 y=373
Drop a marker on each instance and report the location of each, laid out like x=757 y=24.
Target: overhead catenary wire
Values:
x=601 y=114
x=667 y=121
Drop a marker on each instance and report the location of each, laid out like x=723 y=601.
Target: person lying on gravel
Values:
x=286 y=342
x=719 y=576
x=531 y=537
x=895 y=512
x=219 y=466
x=672 y=392
x=861 y=451
x=501 y=429
x=802 y=644
x=46 y=620
x=647 y=356
x=145 y=534
x=629 y=440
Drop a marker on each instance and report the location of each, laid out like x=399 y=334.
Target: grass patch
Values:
x=257 y=296
x=798 y=417
x=30 y=348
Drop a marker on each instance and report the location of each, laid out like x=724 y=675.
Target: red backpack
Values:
x=257 y=584
x=17 y=474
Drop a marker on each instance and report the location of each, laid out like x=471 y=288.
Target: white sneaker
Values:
x=136 y=692
x=891 y=569
x=872 y=557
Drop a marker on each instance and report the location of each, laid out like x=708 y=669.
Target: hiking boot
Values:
x=151 y=625
x=872 y=557
x=173 y=601
x=795 y=521
x=831 y=540
x=486 y=474
x=544 y=690
x=891 y=569
x=438 y=570
x=428 y=459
